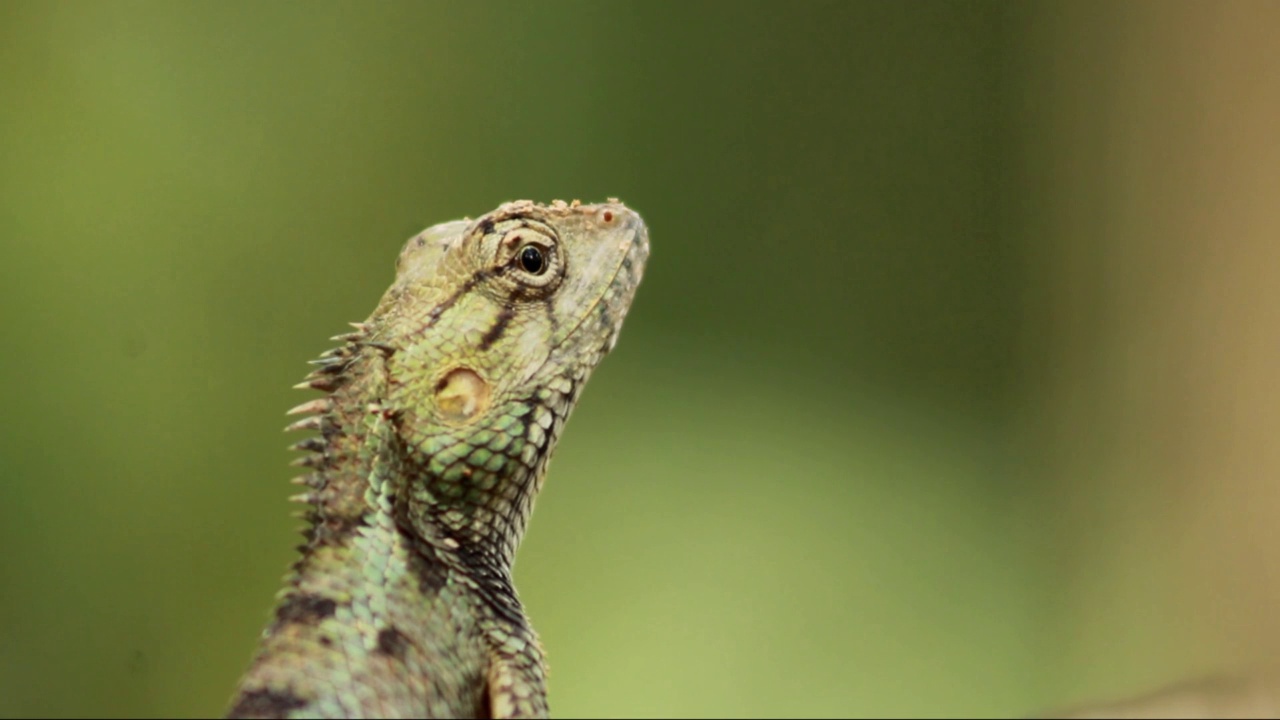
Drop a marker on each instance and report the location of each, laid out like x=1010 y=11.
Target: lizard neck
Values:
x=403 y=585
x=466 y=492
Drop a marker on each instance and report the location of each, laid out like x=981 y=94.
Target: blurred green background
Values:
x=949 y=389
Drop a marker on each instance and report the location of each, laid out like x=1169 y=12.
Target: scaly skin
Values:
x=440 y=414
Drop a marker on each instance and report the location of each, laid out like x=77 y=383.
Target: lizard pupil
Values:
x=531 y=260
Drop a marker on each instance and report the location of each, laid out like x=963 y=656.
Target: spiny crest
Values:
x=327 y=377
x=331 y=363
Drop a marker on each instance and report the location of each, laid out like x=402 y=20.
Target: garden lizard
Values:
x=438 y=418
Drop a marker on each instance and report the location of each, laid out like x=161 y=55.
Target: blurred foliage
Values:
x=802 y=484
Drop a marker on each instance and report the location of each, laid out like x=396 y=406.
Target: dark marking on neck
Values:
x=431 y=574
x=493 y=583
x=326 y=528
x=263 y=703
x=393 y=643
x=305 y=609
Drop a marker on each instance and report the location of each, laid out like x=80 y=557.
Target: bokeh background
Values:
x=950 y=389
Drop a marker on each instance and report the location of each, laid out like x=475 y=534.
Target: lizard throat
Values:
x=465 y=491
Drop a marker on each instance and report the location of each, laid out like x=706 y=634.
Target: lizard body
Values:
x=439 y=416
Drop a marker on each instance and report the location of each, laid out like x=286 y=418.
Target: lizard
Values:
x=438 y=418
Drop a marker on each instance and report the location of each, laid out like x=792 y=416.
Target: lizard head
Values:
x=489 y=332
x=500 y=307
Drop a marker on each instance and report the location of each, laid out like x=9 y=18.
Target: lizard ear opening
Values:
x=461 y=395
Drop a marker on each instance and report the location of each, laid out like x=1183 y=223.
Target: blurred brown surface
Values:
x=1162 y=352
x=1213 y=697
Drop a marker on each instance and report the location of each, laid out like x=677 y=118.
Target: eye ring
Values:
x=532 y=259
x=528 y=259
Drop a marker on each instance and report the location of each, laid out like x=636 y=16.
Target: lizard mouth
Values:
x=634 y=244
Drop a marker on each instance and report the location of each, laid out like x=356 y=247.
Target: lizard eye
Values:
x=532 y=260
x=528 y=259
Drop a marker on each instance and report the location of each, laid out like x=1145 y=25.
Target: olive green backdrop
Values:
x=805 y=483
